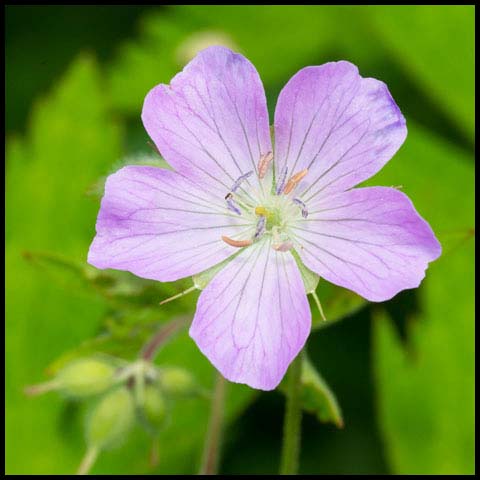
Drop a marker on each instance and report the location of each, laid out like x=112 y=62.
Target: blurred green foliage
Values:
x=59 y=308
x=426 y=386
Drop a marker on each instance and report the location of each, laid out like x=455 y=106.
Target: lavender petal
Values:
x=252 y=338
x=370 y=240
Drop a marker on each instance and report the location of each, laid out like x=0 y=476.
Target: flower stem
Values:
x=292 y=420
x=161 y=336
x=40 y=388
x=211 y=452
x=88 y=461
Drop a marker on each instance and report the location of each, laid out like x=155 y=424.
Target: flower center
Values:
x=272 y=209
x=273 y=217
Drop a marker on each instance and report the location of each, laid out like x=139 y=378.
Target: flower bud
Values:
x=177 y=381
x=86 y=376
x=154 y=408
x=111 y=419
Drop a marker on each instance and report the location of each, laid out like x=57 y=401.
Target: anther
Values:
x=294 y=181
x=302 y=206
x=231 y=205
x=283 y=247
x=260 y=227
x=236 y=243
x=281 y=180
x=240 y=180
x=264 y=163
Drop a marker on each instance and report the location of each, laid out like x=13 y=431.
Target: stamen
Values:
x=281 y=180
x=236 y=243
x=240 y=180
x=260 y=227
x=302 y=205
x=264 y=163
x=283 y=247
x=231 y=205
x=294 y=181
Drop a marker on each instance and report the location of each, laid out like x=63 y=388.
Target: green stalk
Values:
x=88 y=461
x=292 y=420
x=211 y=452
x=163 y=334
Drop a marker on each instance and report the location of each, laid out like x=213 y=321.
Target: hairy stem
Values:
x=292 y=420
x=161 y=336
x=40 y=388
x=88 y=461
x=211 y=452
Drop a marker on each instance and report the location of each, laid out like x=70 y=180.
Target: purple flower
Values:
x=333 y=130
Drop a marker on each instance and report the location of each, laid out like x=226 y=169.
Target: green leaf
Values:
x=143 y=64
x=426 y=387
x=121 y=290
x=436 y=45
x=317 y=397
x=69 y=143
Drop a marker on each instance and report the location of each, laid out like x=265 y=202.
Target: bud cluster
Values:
x=124 y=393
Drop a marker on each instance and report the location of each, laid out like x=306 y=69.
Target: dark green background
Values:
x=402 y=371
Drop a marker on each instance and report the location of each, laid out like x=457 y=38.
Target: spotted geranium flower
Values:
x=231 y=194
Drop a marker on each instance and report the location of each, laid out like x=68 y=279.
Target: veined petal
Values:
x=159 y=225
x=253 y=317
x=341 y=127
x=211 y=123
x=369 y=240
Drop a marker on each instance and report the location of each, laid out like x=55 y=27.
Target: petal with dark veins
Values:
x=253 y=318
x=341 y=127
x=159 y=225
x=369 y=240
x=211 y=123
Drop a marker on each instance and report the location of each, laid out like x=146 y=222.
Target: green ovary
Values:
x=272 y=215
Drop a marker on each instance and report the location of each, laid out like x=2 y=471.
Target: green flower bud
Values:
x=154 y=408
x=177 y=381
x=86 y=376
x=111 y=419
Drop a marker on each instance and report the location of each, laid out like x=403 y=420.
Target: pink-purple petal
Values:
x=343 y=128
x=369 y=240
x=211 y=122
x=159 y=225
x=253 y=317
